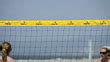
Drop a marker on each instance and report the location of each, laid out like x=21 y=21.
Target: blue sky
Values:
x=54 y=9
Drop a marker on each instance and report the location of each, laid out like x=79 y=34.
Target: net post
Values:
x=90 y=50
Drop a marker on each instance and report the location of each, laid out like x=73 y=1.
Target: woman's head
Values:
x=7 y=46
x=104 y=52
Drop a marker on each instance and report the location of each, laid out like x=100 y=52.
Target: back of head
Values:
x=7 y=46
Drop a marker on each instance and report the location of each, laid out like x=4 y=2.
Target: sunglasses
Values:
x=103 y=52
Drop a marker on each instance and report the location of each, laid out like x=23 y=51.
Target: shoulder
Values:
x=9 y=59
x=109 y=59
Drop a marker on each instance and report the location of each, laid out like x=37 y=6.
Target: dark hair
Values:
x=105 y=49
x=9 y=47
x=109 y=53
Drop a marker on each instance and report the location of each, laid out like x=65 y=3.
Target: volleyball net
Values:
x=51 y=42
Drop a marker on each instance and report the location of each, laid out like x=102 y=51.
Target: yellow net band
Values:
x=54 y=22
